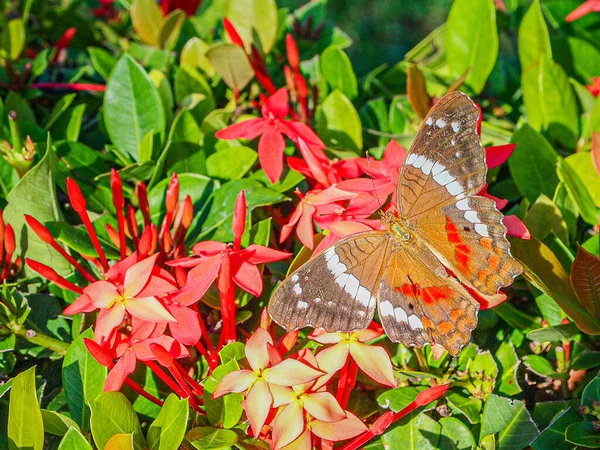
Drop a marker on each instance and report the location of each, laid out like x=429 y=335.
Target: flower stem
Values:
x=41 y=339
x=421 y=359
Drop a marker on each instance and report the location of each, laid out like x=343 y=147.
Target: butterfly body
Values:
x=444 y=237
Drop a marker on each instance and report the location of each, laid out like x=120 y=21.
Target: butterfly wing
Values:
x=446 y=161
x=442 y=174
x=336 y=290
x=420 y=304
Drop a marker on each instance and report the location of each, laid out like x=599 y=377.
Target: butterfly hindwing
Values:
x=420 y=304
x=469 y=237
x=446 y=160
x=336 y=290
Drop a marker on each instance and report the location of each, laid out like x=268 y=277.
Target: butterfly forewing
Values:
x=336 y=290
x=446 y=161
x=420 y=304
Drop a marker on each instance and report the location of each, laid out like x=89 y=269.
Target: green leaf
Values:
x=468 y=406
x=168 y=430
x=578 y=192
x=123 y=441
x=398 y=398
x=534 y=44
x=231 y=163
x=189 y=81
x=56 y=423
x=472 y=41
x=545 y=272
x=193 y=54
x=581 y=163
x=583 y=434
x=83 y=379
x=132 y=106
x=102 y=60
x=255 y=17
x=558 y=333
x=163 y=86
x=13 y=39
x=146 y=18
x=533 y=163
x=591 y=393
x=209 y=438
x=215 y=219
x=511 y=420
x=559 y=106
x=35 y=195
x=227 y=410
x=338 y=123
x=455 y=435
x=74 y=440
x=586 y=361
x=554 y=435
x=542 y=367
x=112 y=414
x=416 y=430
x=25 y=425
x=231 y=62
x=336 y=69
x=544 y=217
x=509 y=362
x=170 y=28
x=184 y=157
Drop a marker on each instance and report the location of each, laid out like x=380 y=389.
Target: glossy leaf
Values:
x=509 y=363
x=36 y=195
x=583 y=434
x=416 y=430
x=338 y=123
x=132 y=107
x=553 y=436
x=224 y=411
x=533 y=164
x=56 y=423
x=168 y=429
x=209 y=438
x=545 y=272
x=170 y=28
x=83 y=379
x=146 y=18
x=230 y=61
x=25 y=425
x=544 y=217
x=578 y=193
x=585 y=279
x=455 y=434
x=231 y=163
x=534 y=45
x=112 y=414
x=255 y=17
x=472 y=41
x=13 y=38
x=74 y=440
x=510 y=419
x=337 y=71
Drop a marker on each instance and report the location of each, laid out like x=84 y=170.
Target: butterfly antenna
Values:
x=373 y=181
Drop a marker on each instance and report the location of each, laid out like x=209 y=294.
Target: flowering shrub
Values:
x=166 y=164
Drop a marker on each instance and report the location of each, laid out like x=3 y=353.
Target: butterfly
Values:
x=441 y=224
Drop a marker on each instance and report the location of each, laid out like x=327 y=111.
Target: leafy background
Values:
x=140 y=94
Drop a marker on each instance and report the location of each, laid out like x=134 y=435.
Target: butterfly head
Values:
x=398 y=227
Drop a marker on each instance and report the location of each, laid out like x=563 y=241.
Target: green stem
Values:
x=422 y=359
x=41 y=339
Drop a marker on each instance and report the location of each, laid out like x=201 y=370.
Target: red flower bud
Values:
x=143 y=203
x=145 y=245
x=292 y=51
x=99 y=353
x=188 y=212
x=232 y=33
x=40 y=230
x=113 y=235
x=75 y=196
x=116 y=186
x=239 y=219
x=172 y=194
x=9 y=240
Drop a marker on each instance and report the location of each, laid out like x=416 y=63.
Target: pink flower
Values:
x=584 y=9
x=255 y=382
x=130 y=292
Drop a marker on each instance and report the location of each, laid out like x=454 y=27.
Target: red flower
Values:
x=272 y=127
x=594 y=88
x=187 y=6
x=231 y=263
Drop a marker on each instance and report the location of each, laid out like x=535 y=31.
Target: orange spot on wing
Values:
x=455 y=314
x=494 y=262
x=428 y=295
x=486 y=243
x=462 y=252
x=445 y=327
